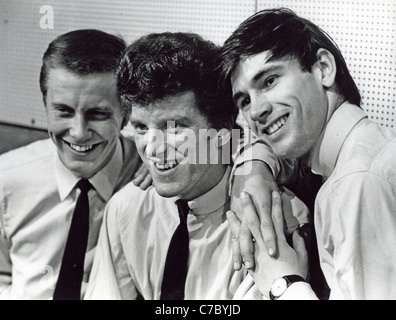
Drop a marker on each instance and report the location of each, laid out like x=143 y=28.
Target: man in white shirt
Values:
x=295 y=91
x=182 y=126
x=38 y=190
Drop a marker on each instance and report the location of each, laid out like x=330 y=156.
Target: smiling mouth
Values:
x=165 y=166
x=82 y=148
x=277 y=125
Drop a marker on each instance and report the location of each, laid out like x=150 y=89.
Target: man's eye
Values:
x=98 y=115
x=270 y=81
x=64 y=112
x=174 y=126
x=140 y=128
x=242 y=103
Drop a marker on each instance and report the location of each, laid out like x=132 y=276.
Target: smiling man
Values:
x=82 y=119
x=41 y=184
x=175 y=149
x=293 y=86
x=173 y=241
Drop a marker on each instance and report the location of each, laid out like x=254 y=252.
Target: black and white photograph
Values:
x=206 y=156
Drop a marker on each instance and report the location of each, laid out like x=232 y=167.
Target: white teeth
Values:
x=277 y=125
x=80 y=148
x=166 y=166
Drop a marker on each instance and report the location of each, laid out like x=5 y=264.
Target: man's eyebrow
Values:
x=266 y=70
x=98 y=107
x=103 y=108
x=275 y=67
x=182 y=119
x=135 y=122
x=236 y=96
x=60 y=105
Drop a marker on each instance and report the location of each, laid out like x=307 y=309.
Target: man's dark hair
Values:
x=84 y=52
x=284 y=34
x=160 y=65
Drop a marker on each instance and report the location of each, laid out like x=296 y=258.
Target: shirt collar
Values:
x=336 y=131
x=212 y=200
x=103 y=181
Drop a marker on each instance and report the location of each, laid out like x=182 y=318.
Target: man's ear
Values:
x=327 y=66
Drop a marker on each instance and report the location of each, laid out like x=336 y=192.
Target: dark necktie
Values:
x=175 y=272
x=71 y=273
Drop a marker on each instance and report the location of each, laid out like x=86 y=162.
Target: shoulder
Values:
x=27 y=155
x=369 y=148
x=133 y=213
x=27 y=177
x=30 y=163
x=130 y=193
x=132 y=200
x=357 y=195
x=365 y=174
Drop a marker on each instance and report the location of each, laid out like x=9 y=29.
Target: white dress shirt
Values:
x=37 y=200
x=135 y=236
x=355 y=209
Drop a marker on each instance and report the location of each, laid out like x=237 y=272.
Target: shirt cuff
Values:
x=248 y=290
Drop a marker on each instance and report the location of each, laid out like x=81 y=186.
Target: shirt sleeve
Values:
x=248 y=290
x=357 y=224
x=257 y=150
x=110 y=279
x=5 y=260
x=284 y=171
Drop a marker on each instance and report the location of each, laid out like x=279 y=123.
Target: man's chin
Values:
x=83 y=173
x=81 y=169
x=166 y=191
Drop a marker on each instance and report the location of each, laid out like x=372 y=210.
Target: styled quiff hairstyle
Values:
x=84 y=52
x=162 y=65
x=284 y=34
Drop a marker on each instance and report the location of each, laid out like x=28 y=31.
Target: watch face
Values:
x=278 y=287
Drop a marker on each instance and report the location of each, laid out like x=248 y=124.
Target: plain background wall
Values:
x=365 y=31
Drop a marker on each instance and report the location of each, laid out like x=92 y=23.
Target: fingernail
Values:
x=236 y=266
x=271 y=251
x=248 y=264
x=275 y=194
x=243 y=195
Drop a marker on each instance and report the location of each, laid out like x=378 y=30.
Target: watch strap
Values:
x=292 y=278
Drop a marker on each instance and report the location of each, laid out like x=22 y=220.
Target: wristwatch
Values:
x=280 y=285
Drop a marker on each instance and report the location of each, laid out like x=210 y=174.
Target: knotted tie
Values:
x=175 y=271
x=71 y=273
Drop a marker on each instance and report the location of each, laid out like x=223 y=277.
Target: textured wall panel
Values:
x=23 y=42
x=364 y=30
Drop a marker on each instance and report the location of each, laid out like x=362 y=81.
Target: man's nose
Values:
x=79 y=128
x=260 y=108
x=156 y=145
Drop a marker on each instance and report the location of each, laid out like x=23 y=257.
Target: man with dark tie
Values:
x=53 y=191
x=172 y=241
